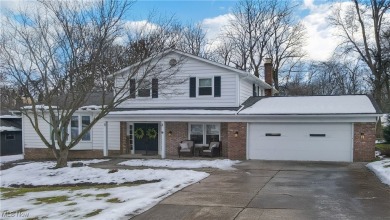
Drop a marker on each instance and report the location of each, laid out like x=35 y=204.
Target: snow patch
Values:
x=174 y=112
x=39 y=173
x=381 y=169
x=8 y=128
x=7 y=159
x=132 y=200
x=225 y=164
x=348 y=104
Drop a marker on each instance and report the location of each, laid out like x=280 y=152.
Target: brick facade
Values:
x=46 y=153
x=124 y=139
x=224 y=138
x=364 y=142
x=179 y=132
x=236 y=145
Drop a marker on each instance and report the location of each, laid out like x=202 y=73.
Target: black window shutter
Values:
x=132 y=88
x=192 y=87
x=254 y=90
x=217 y=86
x=258 y=90
x=154 y=88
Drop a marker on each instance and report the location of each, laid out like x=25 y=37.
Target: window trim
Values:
x=10 y=139
x=204 y=125
x=80 y=128
x=198 y=86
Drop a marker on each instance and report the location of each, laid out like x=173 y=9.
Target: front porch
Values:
x=137 y=142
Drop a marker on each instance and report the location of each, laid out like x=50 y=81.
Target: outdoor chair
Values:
x=213 y=150
x=186 y=148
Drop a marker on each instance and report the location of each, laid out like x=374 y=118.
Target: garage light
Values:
x=236 y=134
x=362 y=136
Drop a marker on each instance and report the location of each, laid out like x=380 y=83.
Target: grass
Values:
x=114 y=200
x=103 y=195
x=14 y=192
x=51 y=200
x=96 y=212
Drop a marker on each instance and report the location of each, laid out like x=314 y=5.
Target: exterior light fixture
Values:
x=362 y=136
x=169 y=133
x=236 y=134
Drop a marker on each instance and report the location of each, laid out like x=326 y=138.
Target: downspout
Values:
x=240 y=109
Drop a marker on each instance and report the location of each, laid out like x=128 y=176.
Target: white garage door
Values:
x=306 y=141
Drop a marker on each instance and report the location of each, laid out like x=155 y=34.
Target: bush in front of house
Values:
x=384 y=149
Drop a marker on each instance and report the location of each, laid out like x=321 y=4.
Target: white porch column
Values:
x=163 y=146
x=105 y=146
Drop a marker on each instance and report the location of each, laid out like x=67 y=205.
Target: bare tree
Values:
x=193 y=40
x=260 y=29
x=361 y=25
x=64 y=53
x=286 y=44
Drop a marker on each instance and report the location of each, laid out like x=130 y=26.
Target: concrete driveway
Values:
x=280 y=190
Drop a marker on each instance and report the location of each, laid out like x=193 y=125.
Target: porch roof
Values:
x=175 y=111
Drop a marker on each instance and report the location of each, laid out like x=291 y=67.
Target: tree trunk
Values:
x=62 y=159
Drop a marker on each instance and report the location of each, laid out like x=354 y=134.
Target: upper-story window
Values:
x=205 y=86
x=144 y=88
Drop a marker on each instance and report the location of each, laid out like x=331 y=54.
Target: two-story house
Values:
x=215 y=102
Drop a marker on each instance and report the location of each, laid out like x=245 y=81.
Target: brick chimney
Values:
x=268 y=75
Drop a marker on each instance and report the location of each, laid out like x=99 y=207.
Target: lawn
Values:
x=33 y=190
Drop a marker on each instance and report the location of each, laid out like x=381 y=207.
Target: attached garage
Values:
x=300 y=141
x=311 y=128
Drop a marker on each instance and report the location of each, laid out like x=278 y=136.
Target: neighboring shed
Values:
x=11 y=135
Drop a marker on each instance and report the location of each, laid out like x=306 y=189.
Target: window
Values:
x=144 y=89
x=85 y=121
x=205 y=86
x=204 y=133
x=212 y=133
x=78 y=124
x=9 y=137
x=74 y=127
x=196 y=133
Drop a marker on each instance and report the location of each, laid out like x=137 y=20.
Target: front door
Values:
x=146 y=138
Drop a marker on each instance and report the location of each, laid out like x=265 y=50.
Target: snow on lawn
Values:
x=113 y=203
x=381 y=169
x=6 y=159
x=225 y=164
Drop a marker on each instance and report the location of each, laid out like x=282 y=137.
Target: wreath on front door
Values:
x=139 y=133
x=151 y=133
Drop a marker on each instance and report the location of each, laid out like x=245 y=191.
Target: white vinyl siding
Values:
x=246 y=90
x=113 y=135
x=178 y=95
x=32 y=140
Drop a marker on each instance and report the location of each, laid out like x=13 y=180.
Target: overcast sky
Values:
x=213 y=14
